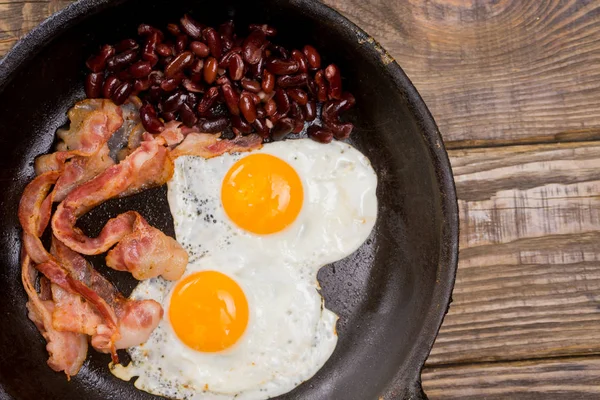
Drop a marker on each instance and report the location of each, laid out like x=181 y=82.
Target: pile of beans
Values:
x=214 y=79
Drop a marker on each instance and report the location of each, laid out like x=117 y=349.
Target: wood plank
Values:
x=492 y=72
x=509 y=70
x=571 y=378
x=528 y=284
x=19 y=17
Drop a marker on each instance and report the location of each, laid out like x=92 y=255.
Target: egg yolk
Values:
x=262 y=194
x=208 y=311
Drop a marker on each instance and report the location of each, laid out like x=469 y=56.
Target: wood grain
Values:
x=528 y=284
x=568 y=379
x=500 y=70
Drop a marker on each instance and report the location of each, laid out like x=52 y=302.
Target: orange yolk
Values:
x=262 y=194
x=209 y=311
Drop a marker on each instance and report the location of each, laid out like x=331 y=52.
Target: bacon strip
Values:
x=67 y=350
x=34 y=214
x=136 y=318
x=209 y=145
x=146 y=251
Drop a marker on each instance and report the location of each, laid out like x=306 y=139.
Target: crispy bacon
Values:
x=67 y=350
x=209 y=145
x=147 y=252
x=148 y=166
x=93 y=122
x=136 y=318
x=81 y=169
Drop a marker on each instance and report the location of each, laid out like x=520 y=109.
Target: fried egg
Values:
x=299 y=200
x=246 y=321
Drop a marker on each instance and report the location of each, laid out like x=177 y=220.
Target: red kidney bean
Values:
x=124 y=75
x=121 y=60
x=348 y=101
x=212 y=125
x=331 y=120
x=260 y=112
x=292 y=80
x=164 y=50
x=298 y=95
x=168 y=116
x=170 y=84
x=154 y=93
x=174 y=29
x=121 y=93
x=126 y=44
x=253 y=47
x=267 y=30
x=334 y=77
x=296 y=112
x=140 y=85
x=213 y=40
x=283 y=102
x=209 y=98
x=282 y=128
x=181 y=43
x=255 y=98
x=268 y=82
x=313 y=88
x=149 y=119
x=281 y=67
x=261 y=127
x=232 y=99
x=224 y=61
x=300 y=58
x=140 y=69
x=298 y=126
x=199 y=49
x=210 y=70
x=97 y=63
x=93 y=84
x=146 y=30
x=310 y=110
x=173 y=102
x=282 y=51
x=194 y=87
x=319 y=134
x=188 y=117
x=222 y=80
x=149 y=50
x=313 y=57
x=247 y=107
x=179 y=63
x=241 y=125
x=250 y=85
x=110 y=85
x=236 y=67
x=191 y=27
x=255 y=71
x=322 y=94
x=270 y=107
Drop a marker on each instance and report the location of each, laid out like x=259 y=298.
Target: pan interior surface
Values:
x=390 y=295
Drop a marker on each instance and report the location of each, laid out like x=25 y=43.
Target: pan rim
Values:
x=407 y=382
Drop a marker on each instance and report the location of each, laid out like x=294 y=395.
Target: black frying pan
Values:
x=391 y=295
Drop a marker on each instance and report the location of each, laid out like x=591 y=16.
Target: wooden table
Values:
x=515 y=88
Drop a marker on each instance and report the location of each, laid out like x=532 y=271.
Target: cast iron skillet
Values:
x=391 y=295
